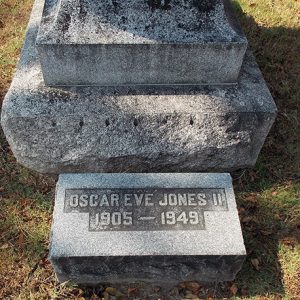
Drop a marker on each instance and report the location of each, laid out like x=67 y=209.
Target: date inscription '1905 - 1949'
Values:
x=145 y=209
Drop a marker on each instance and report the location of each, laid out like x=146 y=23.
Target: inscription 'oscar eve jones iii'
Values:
x=145 y=209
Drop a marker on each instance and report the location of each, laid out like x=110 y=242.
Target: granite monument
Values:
x=158 y=228
x=95 y=94
x=149 y=88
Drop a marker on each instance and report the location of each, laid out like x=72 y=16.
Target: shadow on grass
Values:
x=268 y=196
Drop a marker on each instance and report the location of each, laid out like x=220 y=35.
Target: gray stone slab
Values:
x=131 y=129
x=145 y=227
x=125 y=42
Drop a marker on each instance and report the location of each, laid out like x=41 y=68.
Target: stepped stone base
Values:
x=123 y=42
x=157 y=228
x=137 y=129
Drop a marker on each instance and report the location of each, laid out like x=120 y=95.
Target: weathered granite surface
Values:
x=93 y=129
x=88 y=256
x=124 y=42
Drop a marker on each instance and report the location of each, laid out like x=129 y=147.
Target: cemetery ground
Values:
x=268 y=195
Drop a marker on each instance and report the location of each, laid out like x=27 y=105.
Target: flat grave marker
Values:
x=142 y=227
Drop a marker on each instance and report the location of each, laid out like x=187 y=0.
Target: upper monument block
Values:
x=120 y=42
x=136 y=22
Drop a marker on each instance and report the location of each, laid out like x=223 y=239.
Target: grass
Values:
x=268 y=195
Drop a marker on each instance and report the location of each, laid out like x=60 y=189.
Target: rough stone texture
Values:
x=125 y=42
x=213 y=254
x=93 y=129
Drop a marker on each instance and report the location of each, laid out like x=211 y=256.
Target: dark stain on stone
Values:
x=65 y=22
x=165 y=120
x=82 y=10
x=204 y=5
x=116 y=5
x=159 y=4
x=190 y=27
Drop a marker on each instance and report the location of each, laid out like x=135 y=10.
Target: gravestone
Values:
x=136 y=42
x=155 y=228
x=135 y=128
x=139 y=86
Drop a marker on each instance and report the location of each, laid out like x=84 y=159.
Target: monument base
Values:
x=165 y=228
x=134 y=129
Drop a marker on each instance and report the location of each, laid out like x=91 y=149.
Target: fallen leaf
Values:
x=267 y=232
x=173 y=292
x=25 y=202
x=245 y=290
x=289 y=241
x=233 y=289
x=252 y=174
x=4 y=246
x=192 y=286
x=255 y=263
x=106 y=296
x=113 y=292
x=21 y=240
x=132 y=291
x=247 y=219
x=252 y=202
x=241 y=210
x=191 y=296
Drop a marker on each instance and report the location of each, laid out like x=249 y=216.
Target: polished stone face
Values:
x=146 y=227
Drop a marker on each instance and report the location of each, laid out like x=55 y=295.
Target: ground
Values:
x=268 y=195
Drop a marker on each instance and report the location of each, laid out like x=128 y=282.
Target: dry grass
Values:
x=14 y=15
x=268 y=195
